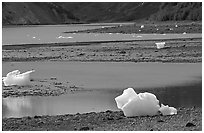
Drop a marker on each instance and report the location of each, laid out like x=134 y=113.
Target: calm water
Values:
x=96 y=100
x=97 y=75
x=54 y=34
x=173 y=84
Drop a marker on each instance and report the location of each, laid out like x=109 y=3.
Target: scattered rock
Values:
x=37 y=116
x=109 y=111
x=110 y=118
x=84 y=129
x=189 y=124
x=53 y=78
x=160 y=121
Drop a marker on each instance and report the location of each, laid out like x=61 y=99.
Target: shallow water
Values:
x=97 y=75
x=54 y=34
x=173 y=84
x=95 y=101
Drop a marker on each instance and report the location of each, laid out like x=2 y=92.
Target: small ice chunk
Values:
x=139 y=36
x=34 y=37
x=166 y=110
x=184 y=33
x=157 y=29
x=160 y=45
x=65 y=37
x=139 y=30
x=142 y=26
x=171 y=29
x=15 y=78
x=176 y=25
x=59 y=36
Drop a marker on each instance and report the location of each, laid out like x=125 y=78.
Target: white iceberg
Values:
x=160 y=45
x=15 y=78
x=142 y=104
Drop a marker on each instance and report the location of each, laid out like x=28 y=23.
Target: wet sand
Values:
x=176 y=51
x=187 y=119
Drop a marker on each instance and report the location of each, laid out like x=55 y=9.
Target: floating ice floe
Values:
x=65 y=37
x=142 y=104
x=139 y=36
x=15 y=78
x=160 y=45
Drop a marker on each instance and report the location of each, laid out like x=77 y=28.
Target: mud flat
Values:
x=178 y=51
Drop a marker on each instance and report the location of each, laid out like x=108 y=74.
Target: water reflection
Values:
x=96 y=100
x=14 y=106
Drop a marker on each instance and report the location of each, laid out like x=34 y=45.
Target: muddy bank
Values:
x=40 y=87
x=157 y=27
x=181 y=50
x=187 y=119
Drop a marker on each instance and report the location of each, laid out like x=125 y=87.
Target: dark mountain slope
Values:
x=35 y=13
x=88 y=12
x=179 y=11
x=111 y=12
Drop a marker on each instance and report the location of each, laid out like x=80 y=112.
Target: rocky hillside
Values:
x=35 y=13
x=90 y=12
x=177 y=11
x=112 y=11
x=85 y=12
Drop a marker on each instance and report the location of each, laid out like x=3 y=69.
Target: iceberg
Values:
x=160 y=45
x=15 y=78
x=142 y=104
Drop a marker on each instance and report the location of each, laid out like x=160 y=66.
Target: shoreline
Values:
x=187 y=119
x=178 y=51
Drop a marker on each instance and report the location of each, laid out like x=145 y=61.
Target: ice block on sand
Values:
x=160 y=45
x=166 y=110
x=142 y=104
x=15 y=78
